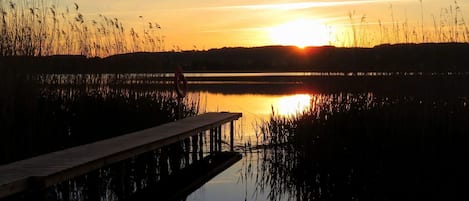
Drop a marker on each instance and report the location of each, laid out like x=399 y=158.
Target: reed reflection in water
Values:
x=353 y=146
x=89 y=108
x=367 y=147
x=343 y=146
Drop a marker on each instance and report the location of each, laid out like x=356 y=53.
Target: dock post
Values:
x=219 y=138
x=215 y=140
x=118 y=175
x=211 y=140
x=231 y=136
x=120 y=166
x=201 y=144
x=195 y=147
x=164 y=171
x=92 y=185
x=186 y=151
x=153 y=165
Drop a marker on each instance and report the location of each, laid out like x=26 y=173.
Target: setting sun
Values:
x=300 y=33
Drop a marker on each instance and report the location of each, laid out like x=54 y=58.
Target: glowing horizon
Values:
x=252 y=23
x=296 y=5
x=206 y=24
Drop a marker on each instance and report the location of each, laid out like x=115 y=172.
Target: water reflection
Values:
x=293 y=104
x=356 y=146
x=367 y=147
x=256 y=109
x=344 y=145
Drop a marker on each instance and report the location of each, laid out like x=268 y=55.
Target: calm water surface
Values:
x=409 y=145
x=366 y=139
x=239 y=181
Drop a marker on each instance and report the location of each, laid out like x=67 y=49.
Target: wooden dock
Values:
x=46 y=170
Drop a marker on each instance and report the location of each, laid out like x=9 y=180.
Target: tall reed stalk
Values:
x=448 y=26
x=362 y=146
x=37 y=28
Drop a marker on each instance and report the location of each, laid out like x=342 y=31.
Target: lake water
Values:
x=362 y=136
x=238 y=182
x=419 y=156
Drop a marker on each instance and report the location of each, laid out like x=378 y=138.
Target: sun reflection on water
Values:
x=256 y=108
x=294 y=104
x=255 y=104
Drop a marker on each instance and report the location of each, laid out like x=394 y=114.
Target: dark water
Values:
x=335 y=137
x=356 y=146
x=42 y=115
x=406 y=139
x=366 y=147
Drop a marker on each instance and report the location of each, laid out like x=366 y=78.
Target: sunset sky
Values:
x=205 y=24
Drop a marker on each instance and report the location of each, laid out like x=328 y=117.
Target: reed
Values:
x=448 y=26
x=16 y=104
x=50 y=117
x=362 y=145
x=45 y=113
x=38 y=28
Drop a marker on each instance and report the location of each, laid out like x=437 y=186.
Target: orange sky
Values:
x=205 y=24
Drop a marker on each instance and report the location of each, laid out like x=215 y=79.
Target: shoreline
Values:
x=435 y=57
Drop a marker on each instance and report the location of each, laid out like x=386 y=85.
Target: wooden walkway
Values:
x=49 y=169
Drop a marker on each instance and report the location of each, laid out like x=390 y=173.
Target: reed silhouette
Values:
x=40 y=28
x=368 y=147
x=53 y=116
x=42 y=114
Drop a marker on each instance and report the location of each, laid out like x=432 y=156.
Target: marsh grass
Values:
x=51 y=117
x=17 y=102
x=39 y=28
x=46 y=114
x=369 y=148
x=447 y=26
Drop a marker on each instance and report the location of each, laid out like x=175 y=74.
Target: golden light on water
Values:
x=291 y=105
x=300 y=33
x=256 y=108
x=258 y=105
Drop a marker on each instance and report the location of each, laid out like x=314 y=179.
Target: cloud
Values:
x=297 y=5
x=248 y=29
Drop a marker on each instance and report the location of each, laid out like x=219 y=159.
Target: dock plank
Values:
x=49 y=169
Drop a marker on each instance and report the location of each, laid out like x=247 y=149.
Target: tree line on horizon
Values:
x=430 y=57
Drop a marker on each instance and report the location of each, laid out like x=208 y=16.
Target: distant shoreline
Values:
x=429 y=57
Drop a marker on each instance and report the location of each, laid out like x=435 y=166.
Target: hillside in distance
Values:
x=430 y=57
